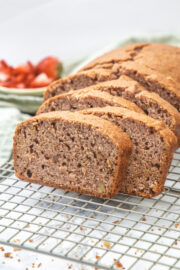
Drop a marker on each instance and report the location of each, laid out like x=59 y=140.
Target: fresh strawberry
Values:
x=3 y=76
x=21 y=85
x=40 y=81
x=29 y=78
x=51 y=66
x=26 y=68
x=3 y=64
x=28 y=75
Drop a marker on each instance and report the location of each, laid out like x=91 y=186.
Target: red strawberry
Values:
x=51 y=66
x=40 y=81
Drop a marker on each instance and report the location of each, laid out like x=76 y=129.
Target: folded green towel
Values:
x=10 y=117
x=25 y=104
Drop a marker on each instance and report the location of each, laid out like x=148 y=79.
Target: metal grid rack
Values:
x=100 y=233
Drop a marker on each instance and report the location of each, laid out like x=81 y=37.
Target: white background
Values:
x=32 y=29
x=72 y=29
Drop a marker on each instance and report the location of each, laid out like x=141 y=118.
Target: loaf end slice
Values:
x=72 y=151
x=153 y=147
x=82 y=99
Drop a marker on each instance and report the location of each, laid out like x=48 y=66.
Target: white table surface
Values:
x=73 y=29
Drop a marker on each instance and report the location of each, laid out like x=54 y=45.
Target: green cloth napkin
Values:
x=9 y=118
x=25 y=104
x=13 y=106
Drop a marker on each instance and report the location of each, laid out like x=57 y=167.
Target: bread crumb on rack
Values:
x=30 y=240
x=119 y=265
x=16 y=249
x=116 y=222
x=107 y=244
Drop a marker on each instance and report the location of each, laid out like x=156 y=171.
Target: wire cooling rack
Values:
x=124 y=232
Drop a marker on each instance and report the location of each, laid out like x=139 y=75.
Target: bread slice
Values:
x=154 y=65
x=72 y=151
x=151 y=103
x=153 y=148
x=78 y=81
x=83 y=99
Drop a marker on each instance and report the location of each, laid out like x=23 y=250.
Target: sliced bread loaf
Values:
x=83 y=99
x=154 y=65
x=72 y=151
x=151 y=103
x=78 y=81
x=153 y=148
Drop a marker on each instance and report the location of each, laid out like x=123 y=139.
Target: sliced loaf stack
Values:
x=129 y=104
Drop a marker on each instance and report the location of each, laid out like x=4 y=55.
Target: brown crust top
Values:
x=125 y=53
x=85 y=93
x=155 y=61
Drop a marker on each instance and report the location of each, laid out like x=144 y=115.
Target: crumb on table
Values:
x=8 y=255
x=16 y=249
x=116 y=221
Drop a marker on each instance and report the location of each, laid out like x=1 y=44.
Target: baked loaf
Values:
x=153 y=148
x=72 y=151
x=151 y=103
x=83 y=99
x=155 y=66
x=78 y=81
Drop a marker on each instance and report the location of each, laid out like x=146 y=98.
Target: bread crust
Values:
x=91 y=76
x=155 y=65
x=125 y=53
x=169 y=139
x=85 y=94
